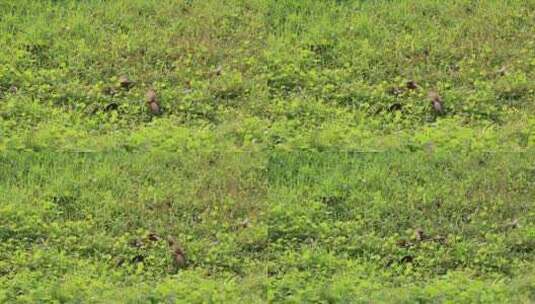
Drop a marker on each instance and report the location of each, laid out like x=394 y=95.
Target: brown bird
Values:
x=179 y=258
x=218 y=70
x=152 y=102
x=13 y=89
x=436 y=101
x=125 y=83
x=412 y=85
x=419 y=234
x=153 y=237
x=513 y=224
x=502 y=71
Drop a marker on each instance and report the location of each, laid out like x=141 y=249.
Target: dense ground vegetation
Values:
x=294 y=160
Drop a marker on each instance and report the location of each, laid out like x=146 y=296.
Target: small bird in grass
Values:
x=419 y=234
x=177 y=253
x=152 y=102
x=436 y=101
x=412 y=85
x=502 y=71
x=153 y=237
x=512 y=225
x=218 y=70
x=13 y=89
x=125 y=83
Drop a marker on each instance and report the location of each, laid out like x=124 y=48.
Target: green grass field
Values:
x=297 y=157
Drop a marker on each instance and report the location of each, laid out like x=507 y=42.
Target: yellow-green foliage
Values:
x=290 y=74
x=291 y=161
